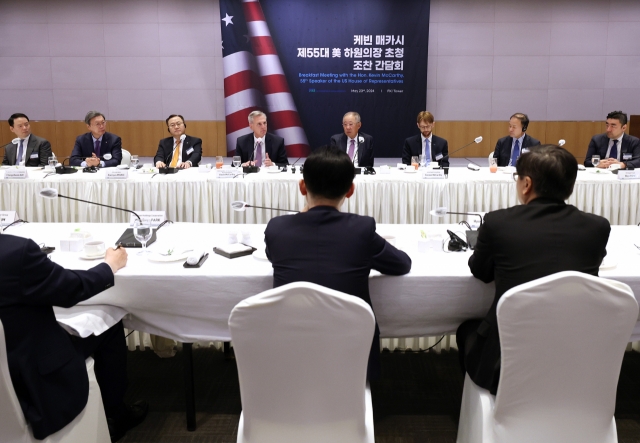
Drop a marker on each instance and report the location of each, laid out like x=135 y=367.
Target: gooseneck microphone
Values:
x=62 y=169
x=293 y=166
x=250 y=169
x=475 y=140
x=52 y=193
x=241 y=206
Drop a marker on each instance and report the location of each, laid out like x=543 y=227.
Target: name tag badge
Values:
x=34 y=155
x=189 y=151
x=154 y=218
x=431 y=174
x=625 y=174
x=438 y=157
x=16 y=173
x=627 y=156
x=116 y=174
x=8 y=217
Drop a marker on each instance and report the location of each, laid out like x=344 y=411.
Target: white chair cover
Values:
x=302 y=353
x=126 y=157
x=90 y=426
x=560 y=393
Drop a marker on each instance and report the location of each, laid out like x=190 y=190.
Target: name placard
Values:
x=16 y=174
x=154 y=218
x=432 y=174
x=8 y=217
x=624 y=174
x=227 y=173
x=116 y=174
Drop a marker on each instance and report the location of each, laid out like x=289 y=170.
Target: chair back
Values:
x=302 y=353
x=562 y=339
x=13 y=426
x=126 y=157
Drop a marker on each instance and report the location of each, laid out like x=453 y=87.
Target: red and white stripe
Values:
x=283 y=118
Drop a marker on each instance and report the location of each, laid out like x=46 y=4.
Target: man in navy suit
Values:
x=540 y=237
x=331 y=248
x=260 y=148
x=97 y=147
x=30 y=149
x=47 y=365
x=355 y=143
x=614 y=146
x=179 y=150
x=509 y=148
x=431 y=147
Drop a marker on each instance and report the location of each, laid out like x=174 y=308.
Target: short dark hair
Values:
x=524 y=120
x=175 y=115
x=15 y=116
x=618 y=115
x=552 y=170
x=328 y=172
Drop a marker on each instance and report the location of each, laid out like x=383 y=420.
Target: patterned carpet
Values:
x=416 y=401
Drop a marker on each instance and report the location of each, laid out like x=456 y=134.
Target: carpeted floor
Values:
x=416 y=401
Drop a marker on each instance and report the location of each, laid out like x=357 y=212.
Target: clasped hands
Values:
x=267 y=162
x=94 y=160
x=606 y=162
x=185 y=165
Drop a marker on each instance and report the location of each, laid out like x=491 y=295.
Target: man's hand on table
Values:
x=116 y=258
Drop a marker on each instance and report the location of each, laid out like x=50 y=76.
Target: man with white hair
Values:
x=358 y=145
x=260 y=148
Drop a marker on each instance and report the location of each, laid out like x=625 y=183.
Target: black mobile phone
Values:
x=47 y=249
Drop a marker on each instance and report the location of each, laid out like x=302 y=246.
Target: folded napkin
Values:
x=195 y=257
x=234 y=248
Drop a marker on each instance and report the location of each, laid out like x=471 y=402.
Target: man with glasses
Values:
x=179 y=150
x=26 y=147
x=357 y=144
x=540 y=237
x=97 y=147
x=431 y=147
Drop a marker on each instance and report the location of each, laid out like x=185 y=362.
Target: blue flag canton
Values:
x=235 y=35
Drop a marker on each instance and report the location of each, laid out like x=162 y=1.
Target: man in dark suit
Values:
x=614 y=146
x=355 y=143
x=260 y=148
x=541 y=237
x=431 y=147
x=508 y=149
x=331 y=248
x=97 y=147
x=46 y=364
x=30 y=149
x=179 y=150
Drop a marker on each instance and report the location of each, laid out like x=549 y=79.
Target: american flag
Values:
x=254 y=78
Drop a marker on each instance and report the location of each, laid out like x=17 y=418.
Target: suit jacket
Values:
x=518 y=245
x=599 y=144
x=365 y=149
x=37 y=146
x=191 y=150
x=49 y=376
x=503 y=148
x=336 y=250
x=273 y=145
x=111 y=144
x=413 y=147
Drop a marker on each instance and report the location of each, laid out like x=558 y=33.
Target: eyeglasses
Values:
x=102 y=123
x=175 y=125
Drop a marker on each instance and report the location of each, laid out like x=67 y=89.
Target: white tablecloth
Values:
x=194 y=304
x=399 y=197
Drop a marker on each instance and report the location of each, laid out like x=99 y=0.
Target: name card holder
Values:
x=227 y=173
x=16 y=174
x=625 y=174
x=433 y=174
x=8 y=217
x=154 y=218
x=116 y=174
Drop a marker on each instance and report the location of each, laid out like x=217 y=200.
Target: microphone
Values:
x=62 y=169
x=241 y=206
x=52 y=193
x=250 y=169
x=561 y=142
x=472 y=236
x=475 y=140
x=293 y=166
x=472 y=165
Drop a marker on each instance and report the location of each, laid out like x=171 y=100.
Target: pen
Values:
x=119 y=246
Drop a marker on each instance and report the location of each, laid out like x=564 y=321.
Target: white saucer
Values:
x=410 y=171
x=607 y=264
x=154 y=256
x=598 y=171
x=272 y=170
x=260 y=254
x=84 y=256
x=123 y=166
x=147 y=170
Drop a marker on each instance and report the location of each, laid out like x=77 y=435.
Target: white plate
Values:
x=410 y=171
x=260 y=254
x=154 y=256
x=272 y=170
x=84 y=256
x=123 y=166
x=607 y=264
x=147 y=171
x=598 y=171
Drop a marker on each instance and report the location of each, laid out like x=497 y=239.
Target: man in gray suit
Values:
x=28 y=148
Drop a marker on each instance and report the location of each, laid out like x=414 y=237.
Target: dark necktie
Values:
x=515 y=154
x=352 y=149
x=97 y=148
x=19 y=156
x=614 y=150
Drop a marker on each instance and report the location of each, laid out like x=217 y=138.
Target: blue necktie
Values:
x=427 y=152
x=515 y=154
x=97 y=148
x=614 y=150
x=19 y=156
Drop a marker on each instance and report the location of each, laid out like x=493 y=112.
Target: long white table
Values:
x=398 y=197
x=191 y=305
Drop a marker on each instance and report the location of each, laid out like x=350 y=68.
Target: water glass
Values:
x=142 y=232
x=595 y=160
x=134 y=161
x=236 y=161
x=415 y=161
x=53 y=161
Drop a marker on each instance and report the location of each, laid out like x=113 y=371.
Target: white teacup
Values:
x=94 y=248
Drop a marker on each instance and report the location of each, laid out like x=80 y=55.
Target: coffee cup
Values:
x=94 y=248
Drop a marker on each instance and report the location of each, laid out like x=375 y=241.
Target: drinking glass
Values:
x=142 y=233
x=493 y=164
x=53 y=161
x=219 y=162
x=134 y=161
x=236 y=161
x=415 y=161
x=595 y=160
